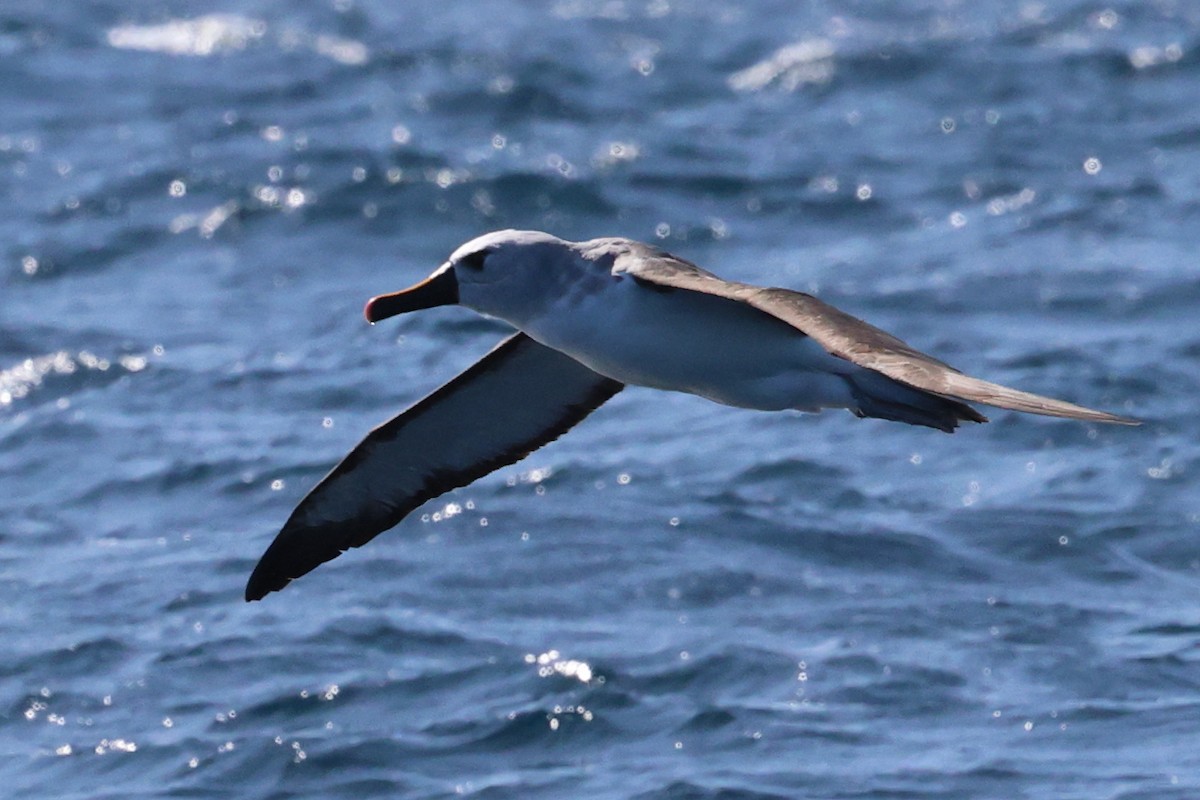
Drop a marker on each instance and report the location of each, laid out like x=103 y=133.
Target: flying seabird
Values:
x=592 y=317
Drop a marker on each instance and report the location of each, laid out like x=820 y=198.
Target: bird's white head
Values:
x=505 y=274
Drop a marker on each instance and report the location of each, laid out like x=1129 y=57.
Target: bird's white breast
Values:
x=691 y=342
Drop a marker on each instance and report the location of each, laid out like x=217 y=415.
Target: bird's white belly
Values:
x=691 y=342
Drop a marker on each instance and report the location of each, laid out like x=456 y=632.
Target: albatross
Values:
x=592 y=317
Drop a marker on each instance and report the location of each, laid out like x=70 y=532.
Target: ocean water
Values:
x=677 y=599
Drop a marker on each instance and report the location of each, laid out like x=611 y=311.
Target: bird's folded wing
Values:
x=520 y=396
x=850 y=338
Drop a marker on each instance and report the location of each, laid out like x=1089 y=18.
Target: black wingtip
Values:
x=257 y=587
x=264 y=580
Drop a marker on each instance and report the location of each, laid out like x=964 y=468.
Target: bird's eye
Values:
x=474 y=260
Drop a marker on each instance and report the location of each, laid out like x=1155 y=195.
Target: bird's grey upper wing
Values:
x=517 y=398
x=847 y=337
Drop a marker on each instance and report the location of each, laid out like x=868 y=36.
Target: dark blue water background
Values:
x=677 y=600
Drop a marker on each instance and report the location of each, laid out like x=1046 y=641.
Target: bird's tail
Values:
x=879 y=396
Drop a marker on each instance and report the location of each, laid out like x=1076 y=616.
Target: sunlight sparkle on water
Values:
x=202 y=36
x=19 y=381
x=551 y=663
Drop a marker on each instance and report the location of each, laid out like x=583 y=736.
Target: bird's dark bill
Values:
x=439 y=289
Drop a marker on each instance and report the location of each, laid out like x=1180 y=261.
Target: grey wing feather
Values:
x=848 y=337
x=519 y=397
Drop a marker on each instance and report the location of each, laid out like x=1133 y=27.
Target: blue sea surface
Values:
x=677 y=599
